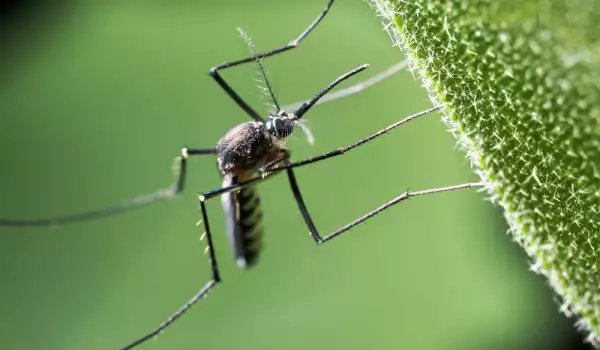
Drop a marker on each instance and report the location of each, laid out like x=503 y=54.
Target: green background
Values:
x=96 y=100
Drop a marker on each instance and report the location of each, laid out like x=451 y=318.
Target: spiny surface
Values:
x=520 y=85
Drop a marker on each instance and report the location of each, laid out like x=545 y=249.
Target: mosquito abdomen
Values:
x=244 y=222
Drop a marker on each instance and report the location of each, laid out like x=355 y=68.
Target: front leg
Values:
x=214 y=71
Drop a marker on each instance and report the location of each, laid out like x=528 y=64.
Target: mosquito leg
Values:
x=214 y=71
x=216 y=278
x=319 y=239
x=343 y=150
x=274 y=162
x=215 y=193
x=133 y=203
x=282 y=158
x=302 y=206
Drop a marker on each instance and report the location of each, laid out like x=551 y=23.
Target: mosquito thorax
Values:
x=247 y=146
x=280 y=125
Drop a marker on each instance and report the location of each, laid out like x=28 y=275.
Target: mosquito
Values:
x=247 y=155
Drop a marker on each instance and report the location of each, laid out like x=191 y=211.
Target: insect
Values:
x=246 y=155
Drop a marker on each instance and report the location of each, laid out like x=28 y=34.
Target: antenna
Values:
x=260 y=66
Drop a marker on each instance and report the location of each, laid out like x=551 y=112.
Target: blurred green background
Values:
x=97 y=99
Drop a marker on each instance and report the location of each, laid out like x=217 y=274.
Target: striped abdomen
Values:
x=244 y=222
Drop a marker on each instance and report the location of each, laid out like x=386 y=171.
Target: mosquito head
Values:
x=280 y=125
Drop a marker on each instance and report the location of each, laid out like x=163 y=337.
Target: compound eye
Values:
x=289 y=129
x=279 y=126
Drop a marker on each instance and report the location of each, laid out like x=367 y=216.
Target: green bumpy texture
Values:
x=521 y=92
